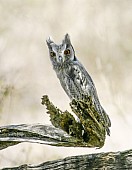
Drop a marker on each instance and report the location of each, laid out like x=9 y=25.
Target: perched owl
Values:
x=73 y=77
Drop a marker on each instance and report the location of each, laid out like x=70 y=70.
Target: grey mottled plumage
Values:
x=73 y=77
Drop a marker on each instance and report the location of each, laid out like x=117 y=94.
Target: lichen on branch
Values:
x=89 y=129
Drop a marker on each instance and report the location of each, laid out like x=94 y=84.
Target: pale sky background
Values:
x=101 y=33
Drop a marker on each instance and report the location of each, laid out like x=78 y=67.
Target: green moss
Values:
x=90 y=129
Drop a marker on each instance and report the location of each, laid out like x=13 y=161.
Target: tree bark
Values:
x=37 y=133
x=99 y=161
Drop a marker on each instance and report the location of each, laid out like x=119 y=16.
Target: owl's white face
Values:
x=61 y=54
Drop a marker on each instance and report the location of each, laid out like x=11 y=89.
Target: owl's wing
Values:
x=83 y=80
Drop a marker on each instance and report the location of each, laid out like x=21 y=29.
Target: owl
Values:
x=73 y=77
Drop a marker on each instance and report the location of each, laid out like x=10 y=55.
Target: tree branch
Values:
x=49 y=135
x=90 y=131
x=98 y=161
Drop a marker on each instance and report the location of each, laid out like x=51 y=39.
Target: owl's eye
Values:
x=52 y=54
x=67 y=52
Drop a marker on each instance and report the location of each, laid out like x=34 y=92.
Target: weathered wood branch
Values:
x=66 y=131
x=98 y=161
x=49 y=135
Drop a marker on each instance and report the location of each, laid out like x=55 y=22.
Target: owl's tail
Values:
x=107 y=121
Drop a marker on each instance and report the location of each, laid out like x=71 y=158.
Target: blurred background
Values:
x=101 y=34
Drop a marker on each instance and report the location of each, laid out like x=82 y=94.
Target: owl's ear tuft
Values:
x=49 y=41
x=67 y=39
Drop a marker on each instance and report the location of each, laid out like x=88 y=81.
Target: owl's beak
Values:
x=60 y=59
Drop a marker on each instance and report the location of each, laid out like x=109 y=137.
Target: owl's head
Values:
x=61 y=54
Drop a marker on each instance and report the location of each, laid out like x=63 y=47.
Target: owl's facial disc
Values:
x=61 y=54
